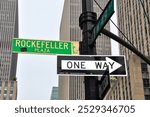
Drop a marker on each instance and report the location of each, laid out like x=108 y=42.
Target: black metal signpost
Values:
x=86 y=21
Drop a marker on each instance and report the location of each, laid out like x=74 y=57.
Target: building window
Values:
x=123 y=96
x=144 y=67
x=5 y=91
x=11 y=91
x=147 y=91
x=146 y=82
x=145 y=75
x=147 y=97
x=12 y=84
x=10 y=98
x=6 y=83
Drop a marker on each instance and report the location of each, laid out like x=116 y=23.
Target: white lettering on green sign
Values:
x=41 y=44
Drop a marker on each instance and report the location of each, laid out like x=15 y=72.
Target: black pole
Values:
x=86 y=22
x=127 y=45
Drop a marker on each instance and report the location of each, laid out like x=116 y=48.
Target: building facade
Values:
x=8 y=90
x=133 y=16
x=54 y=94
x=8 y=30
x=72 y=87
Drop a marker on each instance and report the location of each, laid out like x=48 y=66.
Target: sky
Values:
x=37 y=74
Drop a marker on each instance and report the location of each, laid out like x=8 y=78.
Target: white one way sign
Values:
x=91 y=65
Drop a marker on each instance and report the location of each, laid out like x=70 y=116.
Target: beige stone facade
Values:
x=8 y=90
x=134 y=24
x=133 y=87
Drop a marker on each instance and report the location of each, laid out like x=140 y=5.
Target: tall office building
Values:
x=133 y=16
x=71 y=87
x=54 y=93
x=8 y=30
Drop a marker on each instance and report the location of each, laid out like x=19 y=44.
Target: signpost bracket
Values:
x=87 y=16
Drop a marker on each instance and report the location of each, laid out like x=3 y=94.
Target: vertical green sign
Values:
x=103 y=19
x=44 y=46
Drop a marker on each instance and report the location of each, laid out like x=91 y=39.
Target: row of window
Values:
x=7 y=5
x=6 y=91
x=7 y=97
x=76 y=90
x=6 y=83
x=135 y=28
x=147 y=97
x=7 y=16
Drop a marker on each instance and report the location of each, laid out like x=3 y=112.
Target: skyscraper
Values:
x=8 y=30
x=133 y=20
x=72 y=87
x=54 y=94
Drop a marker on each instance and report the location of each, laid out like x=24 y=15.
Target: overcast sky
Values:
x=39 y=19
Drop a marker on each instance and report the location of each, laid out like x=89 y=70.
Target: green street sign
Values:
x=44 y=46
x=102 y=20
